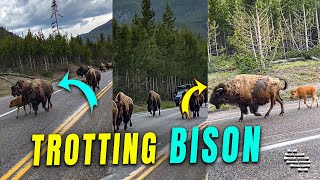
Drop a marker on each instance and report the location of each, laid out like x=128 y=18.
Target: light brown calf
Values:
x=17 y=102
x=304 y=92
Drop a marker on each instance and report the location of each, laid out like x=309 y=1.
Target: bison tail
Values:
x=285 y=84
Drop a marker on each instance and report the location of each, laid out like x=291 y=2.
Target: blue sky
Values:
x=79 y=16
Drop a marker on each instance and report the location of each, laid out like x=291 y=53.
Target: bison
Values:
x=249 y=91
x=18 y=102
x=16 y=89
x=303 y=92
x=109 y=66
x=103 y=67
x=153 y=102
x=194 y=104
x=82 y=71
x=93 y=78
x=201 y=99
x=125 y=109
x=115 y=113
x=39 y=91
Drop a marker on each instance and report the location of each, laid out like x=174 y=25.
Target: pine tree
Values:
x=55 y=17
x=148 y=16
x=168 y=18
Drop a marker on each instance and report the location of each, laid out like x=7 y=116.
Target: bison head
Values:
x=218 y=97
x=150 y=105
x=15 y=91
x=293 y=94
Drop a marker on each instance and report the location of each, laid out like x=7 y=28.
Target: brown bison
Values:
x=39 y=91
x=249 y=91
x=115 y=112
x=153 y=102
x=93 y=78
x=109 y=66
x=303 y=92
x=103 y=67
x=18 y=102
x=194 y=104
x=82 y=71
x=125 y=109
x=16 y=89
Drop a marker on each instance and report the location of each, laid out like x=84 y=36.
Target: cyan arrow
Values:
x=88 y=92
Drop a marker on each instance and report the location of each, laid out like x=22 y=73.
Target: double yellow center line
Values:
x=138 y=174
x=26 y=162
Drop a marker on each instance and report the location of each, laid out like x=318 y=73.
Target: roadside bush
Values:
x=245 y=63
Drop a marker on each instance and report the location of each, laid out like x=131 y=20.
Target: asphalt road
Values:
x=161 y=126
x=16 y=133
x=296 y=129
x=69 y=107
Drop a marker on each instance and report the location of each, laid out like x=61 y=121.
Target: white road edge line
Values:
x=279 y=145
x=286 y=143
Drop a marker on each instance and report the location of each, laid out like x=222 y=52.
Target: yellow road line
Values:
x=133 y=174
x=146 y=173
x=151 y=168
x=82 y=109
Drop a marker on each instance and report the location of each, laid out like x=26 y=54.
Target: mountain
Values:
x=190 y=14
x=4 y=32
x=105 y=29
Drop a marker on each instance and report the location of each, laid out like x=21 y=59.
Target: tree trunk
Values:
x=305 y=26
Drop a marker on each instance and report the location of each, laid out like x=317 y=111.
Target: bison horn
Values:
x=219 y=89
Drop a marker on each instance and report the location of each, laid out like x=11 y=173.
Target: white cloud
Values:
x=79 y=16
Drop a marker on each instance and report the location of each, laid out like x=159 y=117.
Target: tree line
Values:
x=151 y=55
x=257 y=32
x=35 y=51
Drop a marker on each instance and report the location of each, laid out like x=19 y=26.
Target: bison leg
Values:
x=241 y=117
x=130 y=122
x=24 y=108
x=44 y=105
x=305 y=102
x=30 y=108
x=18 y=112
x=154 y=113
x=279 y=100
x=273 y=102
x=159 y=108
x=299 y=104
x=114 y=125
x=254 y=109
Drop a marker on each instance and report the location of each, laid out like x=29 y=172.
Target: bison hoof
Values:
x=257 y=114
x=17 y=117
x=125 y=127
x=298 y=108
x=130 y=124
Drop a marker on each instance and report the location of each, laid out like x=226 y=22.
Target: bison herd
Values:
x=255 y=90
x=32 y=93
x=38 y=91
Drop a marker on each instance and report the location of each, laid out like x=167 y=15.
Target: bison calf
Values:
x=18 y=102
x=304 y=92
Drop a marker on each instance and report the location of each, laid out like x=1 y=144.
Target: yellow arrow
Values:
x=187 y=96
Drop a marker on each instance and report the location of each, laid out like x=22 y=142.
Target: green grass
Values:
x=143 y=107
